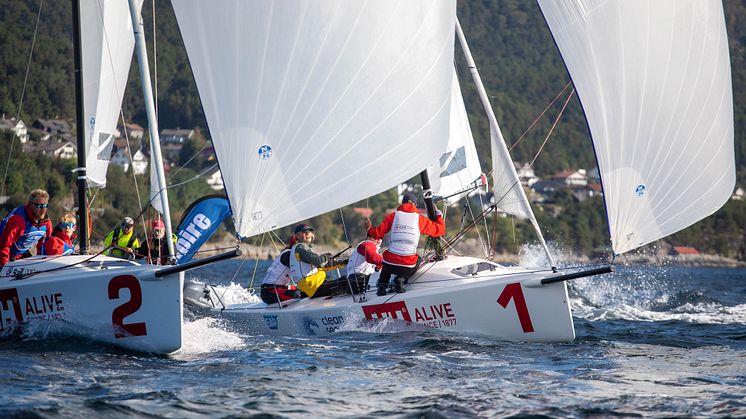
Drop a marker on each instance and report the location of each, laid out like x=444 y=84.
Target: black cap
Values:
x=409 y=197
x=302 y=227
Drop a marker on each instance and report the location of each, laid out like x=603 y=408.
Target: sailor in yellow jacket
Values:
x=307 y=268
x=124 y=240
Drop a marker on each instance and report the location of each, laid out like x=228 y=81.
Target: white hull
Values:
x=103 y=299
x=506 y=303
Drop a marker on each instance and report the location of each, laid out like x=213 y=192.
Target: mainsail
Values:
x=654 y=81
x=107 y=45
x=458 y=167
x=316 y=104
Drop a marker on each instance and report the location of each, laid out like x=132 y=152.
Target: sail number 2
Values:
x=515 y=292
x=129 y=307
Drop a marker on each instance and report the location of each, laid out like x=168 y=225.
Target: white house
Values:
x=738 y=194
x=526 y=173
x=572 y=178
x=176 y=136
x=215 y=179
x=19 y=128
x=133 y=131
x=139 y=161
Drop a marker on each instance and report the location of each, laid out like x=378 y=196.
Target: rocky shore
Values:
x=656 y=256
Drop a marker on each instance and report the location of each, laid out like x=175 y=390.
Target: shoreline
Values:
x=658 y=258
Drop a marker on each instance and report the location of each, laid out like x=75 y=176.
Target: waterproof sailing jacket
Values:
x=19 y=231
x=58 y=244
x=365 y=259
x=406 y=225
x=278 y=272
x=304 y=262
x=122 y=240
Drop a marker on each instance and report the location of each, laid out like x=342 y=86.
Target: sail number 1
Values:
x=515 y=292
x=129 y=307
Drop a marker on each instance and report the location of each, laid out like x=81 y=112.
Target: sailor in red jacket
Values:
x=25 y=226
x=61 y=241
x=406 y=225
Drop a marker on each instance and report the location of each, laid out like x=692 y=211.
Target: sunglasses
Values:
x=67 y=225
x=37 y=205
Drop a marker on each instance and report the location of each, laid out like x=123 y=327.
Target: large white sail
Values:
x=107 y=45
x=458 y=167
x=315 y=104
x=654 y=81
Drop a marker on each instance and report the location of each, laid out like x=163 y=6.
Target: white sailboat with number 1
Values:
x=314 y=105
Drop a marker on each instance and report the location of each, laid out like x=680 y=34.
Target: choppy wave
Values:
x=208 y=334
x=648 y=294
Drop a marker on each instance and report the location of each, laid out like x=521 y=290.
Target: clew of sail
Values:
x=458 y=167
x=654 y=81
x=313 y=105
x=107 y=45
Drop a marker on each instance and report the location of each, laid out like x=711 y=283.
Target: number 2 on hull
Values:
x=130 y=307
x=515 y=292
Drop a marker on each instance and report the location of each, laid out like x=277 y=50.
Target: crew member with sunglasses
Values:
x=25 y=226
x=61 y=241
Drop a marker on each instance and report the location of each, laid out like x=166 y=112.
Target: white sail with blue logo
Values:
x=654 y=81
x=107 y=46
x=313 y=105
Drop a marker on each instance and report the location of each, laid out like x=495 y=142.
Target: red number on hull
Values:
x=130 y=307
x=515 y=292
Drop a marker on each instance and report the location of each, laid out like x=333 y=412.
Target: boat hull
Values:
x=450 y=296
x=102 y=299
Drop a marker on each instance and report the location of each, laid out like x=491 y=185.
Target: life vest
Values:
x=277 y=273
x=308 y=277
x=67 y=248
x=357 y=263
x=31 y=234
x=116 y=252
x=405 y=233
x=298 y=268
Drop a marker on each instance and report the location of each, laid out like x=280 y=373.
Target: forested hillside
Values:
x=514 y=51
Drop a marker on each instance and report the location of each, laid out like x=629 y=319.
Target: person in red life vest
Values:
x=364 y=260
x=406 y=225
x=60 y=243
x=155 y=249
x=276 y=283
x=25 y=226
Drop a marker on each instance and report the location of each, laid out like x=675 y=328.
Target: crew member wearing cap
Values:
x=307 y=266
x=61 y=241
x=155 y=249
x=121 y=241
x=25 y=226
x=406 y=225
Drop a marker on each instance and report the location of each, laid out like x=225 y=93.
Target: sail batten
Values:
x=654 y=82
x=314 y=105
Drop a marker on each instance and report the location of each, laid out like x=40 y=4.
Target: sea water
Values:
x=651 y=341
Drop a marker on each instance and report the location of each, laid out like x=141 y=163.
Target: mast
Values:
x=81 y=169
x=494 y=127
x=155 y=142
x=427 y=194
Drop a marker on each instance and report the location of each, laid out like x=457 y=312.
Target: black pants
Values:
x=401 y=272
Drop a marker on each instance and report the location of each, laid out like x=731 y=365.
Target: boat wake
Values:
x=532 y=255
x=208 y=335
x=637 y=296
x=209 y=295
